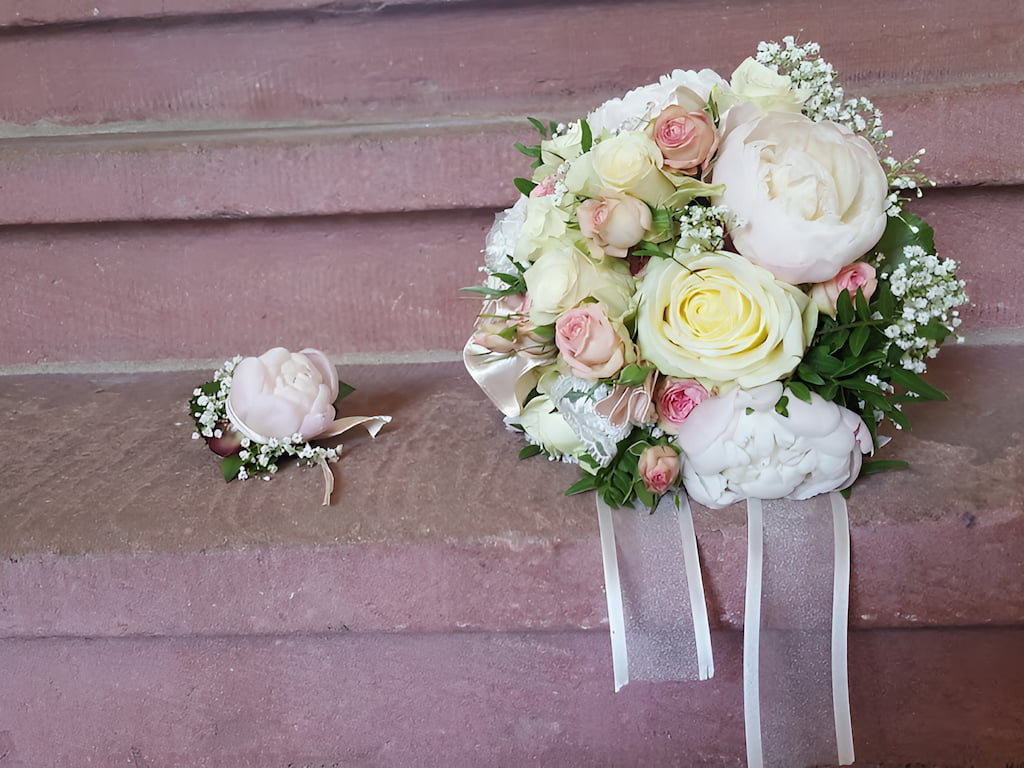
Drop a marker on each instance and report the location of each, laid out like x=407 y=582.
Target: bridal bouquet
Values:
x=714 y=283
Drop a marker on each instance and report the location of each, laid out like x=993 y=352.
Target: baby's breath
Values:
x=701 y=229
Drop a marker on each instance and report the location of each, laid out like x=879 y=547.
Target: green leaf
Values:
x=586 y=137
x=800 y=390
x=633 y=375
x=881 y=465
x=859 y=337
x=585 y=483
x=911 y=381
x=844 y=308
x=344 y=390
x=544 y=332
x=230 y=466
x=539 y=126
x=780 y=406
x=899 y=233
x=749 y=410
x=883 y=300
x=808 y=374
x=533 y=151
x=861 y=305
x=525 y=186
x=530 y=450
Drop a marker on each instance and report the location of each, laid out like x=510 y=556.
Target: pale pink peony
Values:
x=613 y=223
x=850 y=278
x=675 y=398
x=589 y=344
x=658 y=467
x=687 y=139
x=282 y=393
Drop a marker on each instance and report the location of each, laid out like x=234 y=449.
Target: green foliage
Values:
x=525 y=186
x=619 y=483
x=514 y=284
x=344 y=390
x=230 y=466
x=633 y=375
x=530 y=450
x=901 y=231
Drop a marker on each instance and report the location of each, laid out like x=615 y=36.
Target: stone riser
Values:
x=921 y=697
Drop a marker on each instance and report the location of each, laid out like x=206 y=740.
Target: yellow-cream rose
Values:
x=770 y=91
x=627 y=162
x=716 y=316
x=563 y=277
x=565 y=147
x=549 y=429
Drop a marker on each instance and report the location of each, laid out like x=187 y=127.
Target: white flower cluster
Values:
x=701 y=229
x=261 y=458
x=214 y=405
x=928 y=290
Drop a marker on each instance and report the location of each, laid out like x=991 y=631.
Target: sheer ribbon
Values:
x=657 y=614
x=795 y=691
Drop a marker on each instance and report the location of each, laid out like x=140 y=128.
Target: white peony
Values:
x=641 y=105
x=503 y=236
x=809 y=197
x=731 y=455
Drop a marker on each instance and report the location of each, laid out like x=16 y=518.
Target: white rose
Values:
x=563 y=277
x=717 y=316
x=627 y=162
x=770 y=91
x=633 y=111
x=809 y=197
x=549 y=429
x=730 y=454
x=544 y=223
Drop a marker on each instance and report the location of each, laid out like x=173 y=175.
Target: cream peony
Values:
x=716 y=316
x=809 y=197
x=736 y=446
x=282 y=393
x=549 y=429
x=563 y=277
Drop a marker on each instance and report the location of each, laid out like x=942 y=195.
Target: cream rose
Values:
x=809 y=197
x=282 y=393
x=589 y=344
x=768 y=90
x=850 y=278
x=563 y=277
x=736 y=446
x=545 y=223
x=716 y=316
x=613 y=223
x=565 y=147
x=628 y=162
x=549 y=429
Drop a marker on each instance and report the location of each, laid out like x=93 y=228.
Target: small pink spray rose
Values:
x=589 y=344
x=675 y=398
x=850 y=278
x=658 y=467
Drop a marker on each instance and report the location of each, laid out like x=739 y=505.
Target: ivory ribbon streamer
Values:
x=657 y=614
x=503 y=378
x=795 y=692
x=373 y=425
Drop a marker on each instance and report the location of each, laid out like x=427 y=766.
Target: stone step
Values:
x=116 y=523
x=368 y=285
x=448 y=608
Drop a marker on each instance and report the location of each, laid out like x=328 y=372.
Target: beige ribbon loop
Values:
x=505 y=379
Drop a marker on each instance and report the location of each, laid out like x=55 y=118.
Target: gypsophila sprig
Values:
x=700 y=273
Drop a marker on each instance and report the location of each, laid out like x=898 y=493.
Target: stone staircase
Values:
x=217 y=177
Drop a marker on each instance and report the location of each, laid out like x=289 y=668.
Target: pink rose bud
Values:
x=850 y=278
x=613 y=223
x=545 y=187
x=687 y=140
x=282 y=393
x=588 y=342
x=658 y=467
x=675 y=398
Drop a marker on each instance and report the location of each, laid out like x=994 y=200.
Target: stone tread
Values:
x=116 y=523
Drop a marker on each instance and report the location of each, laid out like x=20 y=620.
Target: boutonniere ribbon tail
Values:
x=258 y=410
x=711 y=290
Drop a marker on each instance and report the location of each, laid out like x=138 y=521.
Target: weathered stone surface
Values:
x=116 y=523
x=937 y=698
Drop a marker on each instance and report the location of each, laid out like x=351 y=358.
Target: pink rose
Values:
x=658 y=467
x=588 y=342
x=613 y=223
x=687 y=140
x=850 y=278
x=675 y=398
x=282 y=393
